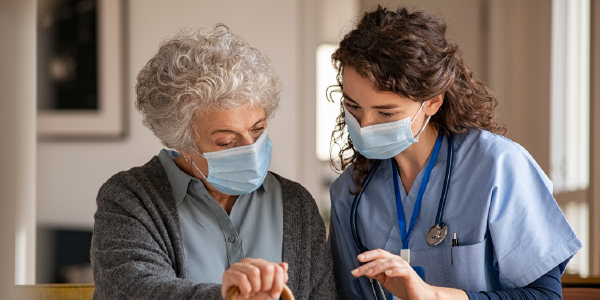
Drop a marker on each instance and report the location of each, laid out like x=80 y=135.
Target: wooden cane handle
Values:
x=234 y=291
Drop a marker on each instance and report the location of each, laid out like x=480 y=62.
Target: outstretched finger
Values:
x=374 y=254
x=362 y=270
x=384 y=266
x=398 y=272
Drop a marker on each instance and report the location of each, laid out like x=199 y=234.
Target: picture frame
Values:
x=107 y=120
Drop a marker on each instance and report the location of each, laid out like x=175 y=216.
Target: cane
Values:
x=234 y=291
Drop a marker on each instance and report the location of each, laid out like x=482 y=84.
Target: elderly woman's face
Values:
x=224 y=129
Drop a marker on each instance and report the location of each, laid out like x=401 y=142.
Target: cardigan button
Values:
x=231 y=238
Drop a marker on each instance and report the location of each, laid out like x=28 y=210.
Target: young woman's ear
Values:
x=433 y=105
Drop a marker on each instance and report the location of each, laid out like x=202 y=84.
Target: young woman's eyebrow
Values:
x=349 y=99
x=388 y=106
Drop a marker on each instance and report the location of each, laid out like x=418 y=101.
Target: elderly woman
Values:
x=194 y=222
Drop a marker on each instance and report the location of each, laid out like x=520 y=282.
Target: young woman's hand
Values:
x=398 y=277
x=257 y=279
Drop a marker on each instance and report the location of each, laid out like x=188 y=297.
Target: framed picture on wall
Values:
x=80 y=69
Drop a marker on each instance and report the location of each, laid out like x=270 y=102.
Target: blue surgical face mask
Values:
x=239 y=170
x=382 y=141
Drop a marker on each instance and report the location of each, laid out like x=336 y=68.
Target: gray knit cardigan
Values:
x=137 y=251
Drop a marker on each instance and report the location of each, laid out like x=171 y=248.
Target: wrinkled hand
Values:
x=257 y=279
x=399 y=278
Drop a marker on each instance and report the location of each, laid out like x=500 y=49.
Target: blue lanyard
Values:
x=401 y=220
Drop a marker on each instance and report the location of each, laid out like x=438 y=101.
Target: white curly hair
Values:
x=202 y=69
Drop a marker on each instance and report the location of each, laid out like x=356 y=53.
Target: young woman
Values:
x=434 y=202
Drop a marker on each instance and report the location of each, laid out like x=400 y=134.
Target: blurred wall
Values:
x=17 y=136
x=70 y=173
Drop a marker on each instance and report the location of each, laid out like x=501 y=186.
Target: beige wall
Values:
x=519 y=42
x=464 y=21
x=70 y=173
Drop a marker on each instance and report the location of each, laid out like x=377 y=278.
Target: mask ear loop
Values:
x=424 y=125
x=193 y=163
x=417 y=114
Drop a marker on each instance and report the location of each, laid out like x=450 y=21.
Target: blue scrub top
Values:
x=500 y=204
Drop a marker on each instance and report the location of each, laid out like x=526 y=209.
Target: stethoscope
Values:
x=438 y=231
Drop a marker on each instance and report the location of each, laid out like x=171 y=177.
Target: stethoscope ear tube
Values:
x=354 y=208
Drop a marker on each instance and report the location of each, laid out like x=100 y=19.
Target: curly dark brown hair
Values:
x=409 y=54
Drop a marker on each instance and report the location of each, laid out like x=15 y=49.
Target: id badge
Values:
x=405 y=254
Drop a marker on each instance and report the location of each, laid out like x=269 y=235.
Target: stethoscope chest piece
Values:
x=437 y=234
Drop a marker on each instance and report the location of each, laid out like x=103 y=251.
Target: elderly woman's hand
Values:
x=256 y=279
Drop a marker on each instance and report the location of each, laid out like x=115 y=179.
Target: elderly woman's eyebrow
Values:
x=257 y=122
x=212 y=132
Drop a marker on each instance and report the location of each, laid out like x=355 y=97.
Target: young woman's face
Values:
x=372 y=107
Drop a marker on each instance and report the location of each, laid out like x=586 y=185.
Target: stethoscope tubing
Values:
x=440 y=212
x=355 y=203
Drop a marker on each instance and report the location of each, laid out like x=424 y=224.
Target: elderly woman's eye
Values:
x=259 y=129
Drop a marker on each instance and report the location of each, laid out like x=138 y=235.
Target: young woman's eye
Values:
x=387 y=115
x=350 y=106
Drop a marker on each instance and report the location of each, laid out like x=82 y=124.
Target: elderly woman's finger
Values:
x=267 y=272
x=374 y=254
x=236 y=278
x=252 y=273
x=285 y=267
x=278 y=283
